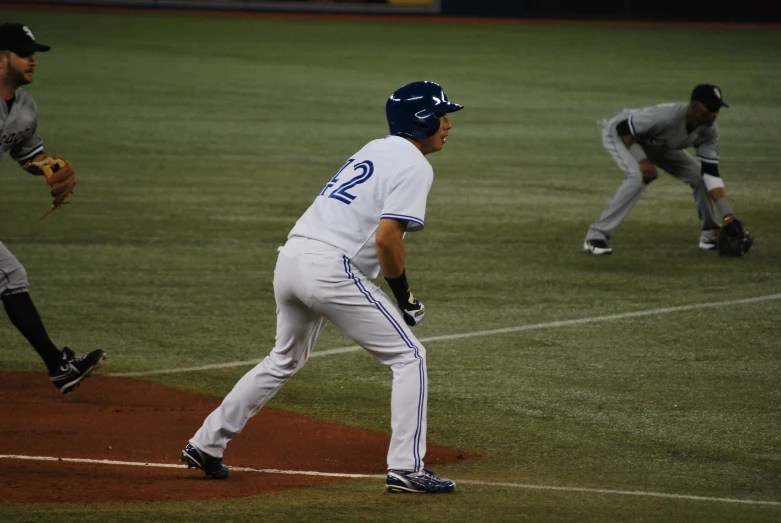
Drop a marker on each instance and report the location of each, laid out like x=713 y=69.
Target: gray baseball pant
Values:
x=677 y=163
x=13 y=276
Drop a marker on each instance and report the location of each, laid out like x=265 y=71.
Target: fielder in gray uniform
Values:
x=19 y=137
x=640 y=140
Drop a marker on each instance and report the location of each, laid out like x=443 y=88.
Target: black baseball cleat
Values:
x=73 y=369
x=211 y=466
x=423 y=482
x=597 y=247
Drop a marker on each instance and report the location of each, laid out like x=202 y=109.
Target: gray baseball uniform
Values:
x=19 y=137
x=661 y=131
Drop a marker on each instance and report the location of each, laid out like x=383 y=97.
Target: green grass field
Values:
x=201 y=140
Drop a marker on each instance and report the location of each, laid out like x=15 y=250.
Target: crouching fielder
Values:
x=640 y=140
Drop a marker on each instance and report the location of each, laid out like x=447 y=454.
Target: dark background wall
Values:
x=642 y=10
x=652 y=10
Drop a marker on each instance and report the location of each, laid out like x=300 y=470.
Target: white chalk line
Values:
x=491 y=332
x=181 y=466
x=382 y=476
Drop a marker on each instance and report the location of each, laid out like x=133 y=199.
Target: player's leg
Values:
x=298 y=327
x=66 y=369
x=363 y=312
x=14 y=291
x=627 y=194
x=681 y=165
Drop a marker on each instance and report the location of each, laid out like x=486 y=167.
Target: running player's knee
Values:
x=283 y=368
x=412 y=355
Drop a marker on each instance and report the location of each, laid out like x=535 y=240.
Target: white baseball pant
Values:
x=314 y=283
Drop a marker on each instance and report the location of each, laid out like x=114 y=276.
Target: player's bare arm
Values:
x=390 y=254
x=390 y=246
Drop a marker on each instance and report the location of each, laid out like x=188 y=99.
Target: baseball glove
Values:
x=734 y=239
x=60 y=176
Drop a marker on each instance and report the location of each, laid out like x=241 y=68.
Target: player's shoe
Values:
x=708 y=239
x=73 y=369
x=423 y=482
x=597 y=247
x=706 y=245
x=211 y=466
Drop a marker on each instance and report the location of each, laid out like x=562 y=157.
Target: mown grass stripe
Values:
x=491 y=332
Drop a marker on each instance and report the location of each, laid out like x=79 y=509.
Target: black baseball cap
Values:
x=710 y=96
x=19 y=39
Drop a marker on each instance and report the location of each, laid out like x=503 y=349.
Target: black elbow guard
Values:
x=623 y=128
x=709 y=168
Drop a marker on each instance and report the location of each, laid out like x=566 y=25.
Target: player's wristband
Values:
x=712 y=182
x=399 y=286
x=637 y=151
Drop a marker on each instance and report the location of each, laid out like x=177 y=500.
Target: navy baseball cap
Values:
x=18 y=39
x=710 y=96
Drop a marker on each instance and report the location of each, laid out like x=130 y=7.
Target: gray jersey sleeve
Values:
x=20 y=132
x=31 y=147
x=707 y=145
x=651 y=123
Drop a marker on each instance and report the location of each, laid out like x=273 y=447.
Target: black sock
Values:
x=24 y=316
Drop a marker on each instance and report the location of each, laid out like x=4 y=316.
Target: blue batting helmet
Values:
x=411 y=110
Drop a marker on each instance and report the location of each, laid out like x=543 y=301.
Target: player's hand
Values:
x=412 y=310
x=649 y=171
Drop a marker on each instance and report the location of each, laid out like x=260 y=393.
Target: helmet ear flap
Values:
x=426 y=126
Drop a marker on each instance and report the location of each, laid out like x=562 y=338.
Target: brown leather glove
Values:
x=60 y=175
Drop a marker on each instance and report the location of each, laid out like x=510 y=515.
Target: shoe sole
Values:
x=401 y=490
x=71 y=386
x=394 y=489
x=596 y=251
x=707 y=246
x=190 y=461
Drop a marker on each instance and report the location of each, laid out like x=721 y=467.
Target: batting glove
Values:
x=412 y=310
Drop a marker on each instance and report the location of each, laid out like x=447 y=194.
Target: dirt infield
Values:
x=120 y=419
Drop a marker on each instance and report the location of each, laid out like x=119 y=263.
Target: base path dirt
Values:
x=120 y=419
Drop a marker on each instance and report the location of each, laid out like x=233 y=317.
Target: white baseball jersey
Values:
x=19 y=128
x=387 y=178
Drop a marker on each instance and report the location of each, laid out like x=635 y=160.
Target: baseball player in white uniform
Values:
x=640 y=140
x=352 y=231
x=19 y=137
